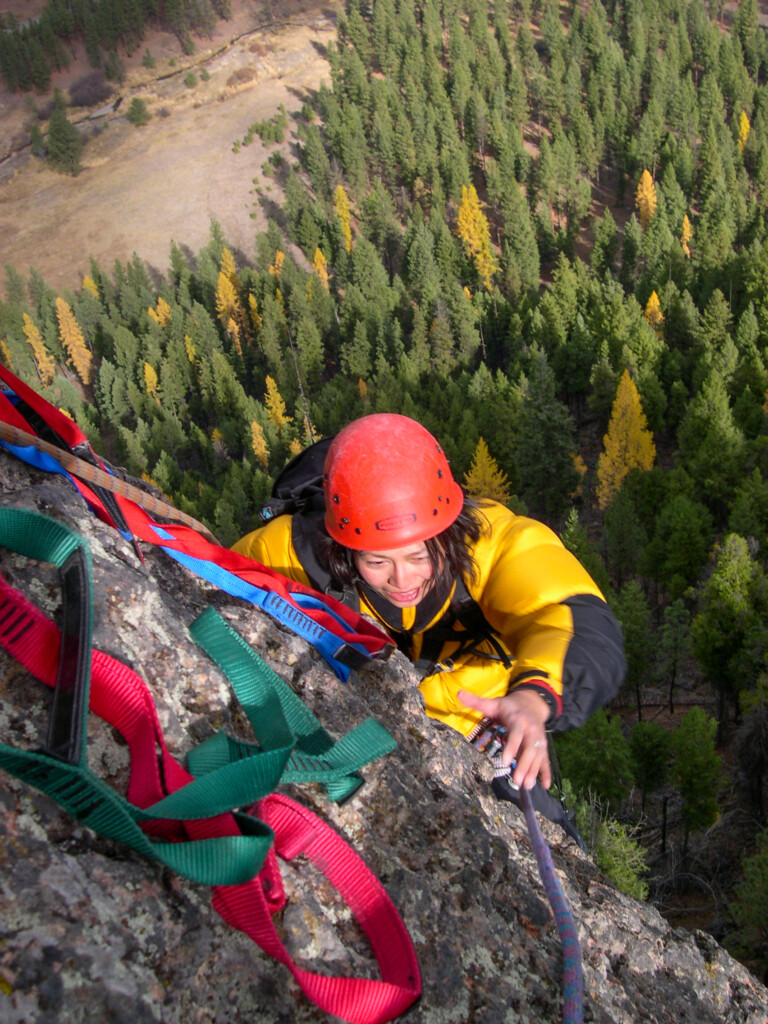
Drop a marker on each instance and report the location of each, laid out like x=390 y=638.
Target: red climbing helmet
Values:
x=387 y=484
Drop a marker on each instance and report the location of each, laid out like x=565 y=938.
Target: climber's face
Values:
x=403 y=576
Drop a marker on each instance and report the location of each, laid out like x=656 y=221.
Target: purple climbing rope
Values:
x=573 y=978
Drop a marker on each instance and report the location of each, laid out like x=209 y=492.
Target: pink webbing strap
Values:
x=121 y=698
x=297 y=831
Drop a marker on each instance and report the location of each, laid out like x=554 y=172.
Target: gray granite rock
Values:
x=90 y=931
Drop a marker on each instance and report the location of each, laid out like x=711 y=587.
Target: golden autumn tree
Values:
x=472 y=229
x=44 y=361
x=653 y=313
x=229 y=308
x=150 y=381
x=73 y=341
x=646 y=199
x=686 y=236
x=228 y=268
x=89 y=285
x=276 y=406
x=276 y=267
x=744 y=129
x=161 y=313
x=227 y=302
x=341 y=206
x=6 y=353
x=320 y=267
x=485 y=479
x=627 y=445
x=259 y=445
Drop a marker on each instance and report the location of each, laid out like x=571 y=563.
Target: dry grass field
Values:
x=140 y=188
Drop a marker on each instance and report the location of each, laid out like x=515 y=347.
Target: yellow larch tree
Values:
x=233 y=330
x=472 y=229
x=276 y=406
x=259 y=445
x=744 y=129
x=150 y=381
x=320 y=267
x=686 y=236
x=89 y=285
x=161 y=313
x=227 y=267
x=485 y=479
x=627 y=445
x=341 y=206
x=229 y=307
x=295 y=447
x=646 y=199
x=653 y=313
x=73 y=341
x=6 y=353
x=276 y=268
x=46 y=364
x=227 y=301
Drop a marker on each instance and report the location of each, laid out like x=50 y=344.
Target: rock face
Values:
x=90 y=931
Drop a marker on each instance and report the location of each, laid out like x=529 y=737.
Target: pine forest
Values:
x=539 y=228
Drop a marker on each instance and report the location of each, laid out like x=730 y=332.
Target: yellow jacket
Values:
x=549 y=622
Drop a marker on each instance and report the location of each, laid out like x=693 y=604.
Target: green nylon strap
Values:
x=292 y=746
x=316 y=758
x=224 y=860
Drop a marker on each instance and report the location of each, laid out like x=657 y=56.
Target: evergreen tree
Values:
x=546 y=450
x=65 y=145
x=651 y=749
x=697 y=770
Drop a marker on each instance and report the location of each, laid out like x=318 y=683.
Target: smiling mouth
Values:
x=405 y=597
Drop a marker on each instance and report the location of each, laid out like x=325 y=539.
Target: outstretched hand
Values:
x=523 y=713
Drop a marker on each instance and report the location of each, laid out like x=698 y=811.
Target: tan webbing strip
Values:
x=94 y=475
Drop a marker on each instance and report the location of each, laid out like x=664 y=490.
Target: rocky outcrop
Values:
x=90 y=931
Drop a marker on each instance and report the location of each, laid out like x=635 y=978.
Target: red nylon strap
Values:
x=66 y=428
x=120 y=697
x=184 y=539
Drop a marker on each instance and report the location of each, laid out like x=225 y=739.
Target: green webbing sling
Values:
x=315 y=758
x=224 y=783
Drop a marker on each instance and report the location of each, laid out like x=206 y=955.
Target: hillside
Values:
x=141 y=188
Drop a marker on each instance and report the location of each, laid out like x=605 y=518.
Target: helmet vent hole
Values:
x=439 y=474
x=336 y=499
x=345 y=521
x=358 y=530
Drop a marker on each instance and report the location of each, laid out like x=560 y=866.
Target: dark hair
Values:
x=449 y=552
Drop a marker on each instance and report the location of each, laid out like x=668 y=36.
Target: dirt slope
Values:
x=141 y=188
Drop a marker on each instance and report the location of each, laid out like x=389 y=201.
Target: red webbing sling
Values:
x=120 y=697
x=358 y=638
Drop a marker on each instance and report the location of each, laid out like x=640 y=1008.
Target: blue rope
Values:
x=573 y=978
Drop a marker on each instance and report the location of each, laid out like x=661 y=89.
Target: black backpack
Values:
x=298 y=487
x=298 y=491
